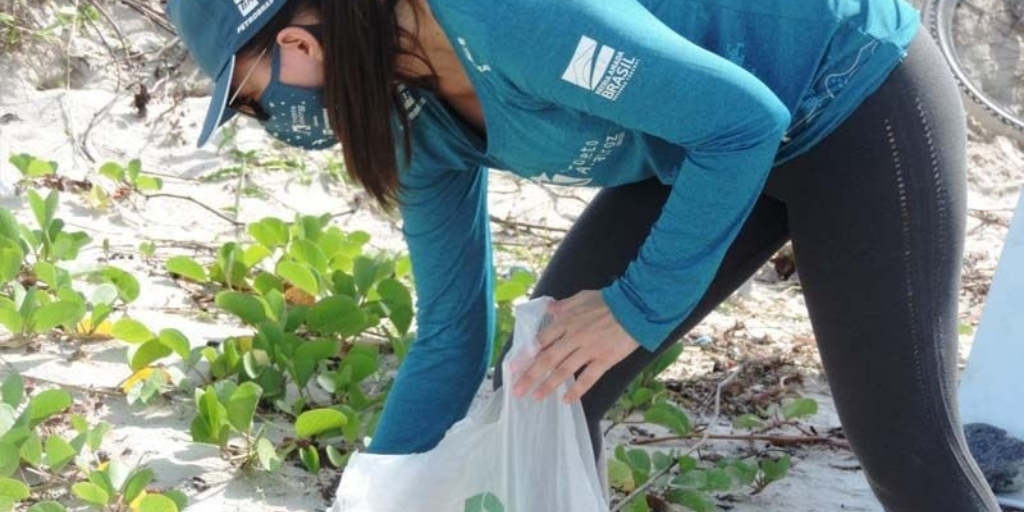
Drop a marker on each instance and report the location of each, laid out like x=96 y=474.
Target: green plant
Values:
x=316 y=303
x=680 y=479
x=33 y=311
x=645 y=389
x=37 y=296
x=36 y=293
x=485 y=502
x=227 y=410
x=115 y=487
x=29 y=166
x=130 y=178
x=690 y=485
x=507 y=290
x=21 y=444
x=34 y=458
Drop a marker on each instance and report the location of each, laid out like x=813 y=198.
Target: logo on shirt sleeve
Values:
x=600 y=68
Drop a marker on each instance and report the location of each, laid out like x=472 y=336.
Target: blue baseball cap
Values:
x=214 y=31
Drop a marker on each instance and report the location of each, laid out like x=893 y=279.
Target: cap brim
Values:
x=218 y=112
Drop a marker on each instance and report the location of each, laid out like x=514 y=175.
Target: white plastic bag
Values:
x=508 y=455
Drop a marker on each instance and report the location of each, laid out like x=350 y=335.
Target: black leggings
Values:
x=876 y=215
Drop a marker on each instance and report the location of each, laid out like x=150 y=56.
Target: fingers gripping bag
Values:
x=507 y=455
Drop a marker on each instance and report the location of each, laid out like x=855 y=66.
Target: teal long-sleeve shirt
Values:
x=704 y=95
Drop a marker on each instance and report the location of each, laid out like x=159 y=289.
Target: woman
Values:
x=719 y=129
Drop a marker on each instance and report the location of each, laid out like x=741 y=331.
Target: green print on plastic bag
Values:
x=485 y=502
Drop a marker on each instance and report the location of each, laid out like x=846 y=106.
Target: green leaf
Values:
x=131 y=331
x=157 y=503
x=91 y=494
x=11 y=319
x=637 y=504
x=517 y=285
x=21 y=160
x=742 y=472
x=62 y=312
x=47 y=506
x=13 y=490
x=639 y=461
x=267 y=455
x=126 y=284
x=43 y=209
x=308 y=356
x=352 y=428
x=95 y=437
x=146 y=183
x=176 y=341
x=10 y=459
x=254 y=254
x=620 y=476
x=485 y=502
x=660 y=461
x=641 y=396
x=318 y=421
x=299 y=275
x=179 y=498
x=46 y=272
x=8 y=417
x=747 y=422
x=10 y=229
x=112 y=170
x=665 y=360
x=147 y=353
x=310 y=458
x=336 y=458
x=332 y=242
x=403 y=266
x=336 y=315
x=187 y=267
x=694 y=479
x=136 y=483
x=363 y=359
x=242 y=406
x=799 y=408
x=691 y=499
x=401 y=318
x=134 y=169
x=364 y=271
x=32 y=450
x=101 y=479
x=394 y=293
x=209 y=426
x=250 y=309
x=668 y=416
x=10 y=264
x=270 y=232
x=717 y=480
x=13 y=390
x=47 y=404
x=66 y=246
x=265 y=282
x=277 y=307
x=343 y=284
x=305 y=251
x=58 y=453
x=775 y=469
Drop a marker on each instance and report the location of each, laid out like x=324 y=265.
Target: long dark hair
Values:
x=361 y=39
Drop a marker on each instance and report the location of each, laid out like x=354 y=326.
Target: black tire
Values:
x=939 y=18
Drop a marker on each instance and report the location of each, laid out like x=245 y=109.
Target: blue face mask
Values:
x=297 y=114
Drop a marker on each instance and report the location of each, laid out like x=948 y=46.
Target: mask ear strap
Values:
x=275 y=64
